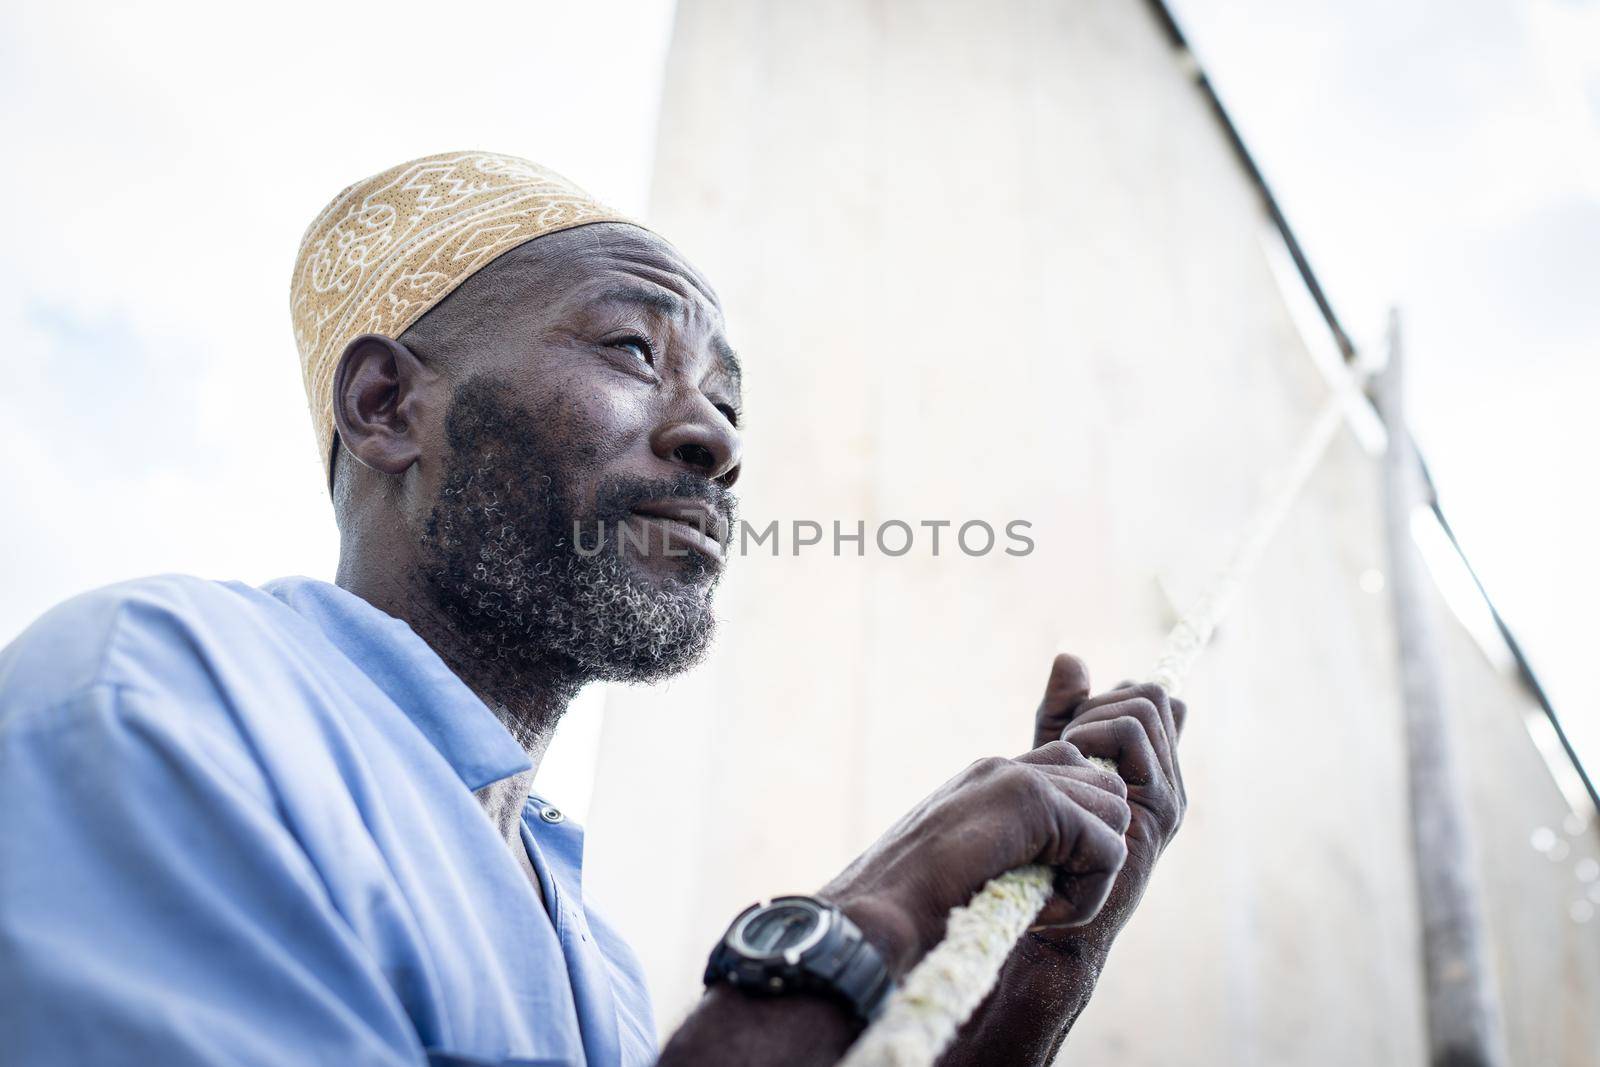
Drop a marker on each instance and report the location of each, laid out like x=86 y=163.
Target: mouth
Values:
x=687 y=524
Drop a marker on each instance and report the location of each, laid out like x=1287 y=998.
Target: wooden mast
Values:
x=1463 y=1009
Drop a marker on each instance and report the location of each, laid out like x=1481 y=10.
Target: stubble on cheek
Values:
x=499 y=554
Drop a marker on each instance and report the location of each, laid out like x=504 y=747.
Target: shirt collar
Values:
x=458 y=724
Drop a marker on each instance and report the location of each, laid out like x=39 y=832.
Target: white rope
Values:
x=946 y=987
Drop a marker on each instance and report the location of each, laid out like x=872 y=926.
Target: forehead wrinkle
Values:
x=655 y=287
x=666 y=271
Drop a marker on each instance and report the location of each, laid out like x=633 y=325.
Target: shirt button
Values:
x=551 y=815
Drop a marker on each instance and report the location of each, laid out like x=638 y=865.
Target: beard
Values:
x=498 y=556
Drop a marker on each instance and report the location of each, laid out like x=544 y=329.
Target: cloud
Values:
x=154 y=417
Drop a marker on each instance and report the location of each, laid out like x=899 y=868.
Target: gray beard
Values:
x=518 y=600
x=567 y=618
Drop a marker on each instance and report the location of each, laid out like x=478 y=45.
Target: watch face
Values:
x=779 y=928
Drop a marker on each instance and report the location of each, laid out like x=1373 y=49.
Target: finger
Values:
x=1170 y=707
x=1125 y=741
x=1066 y=756
x=1148 y=716
x=1148 y=690
x=1180 y=714
x=1087 y=858
x=1067 y=685
x=1084 y=843
x=1108 y=806
x=1163 y=703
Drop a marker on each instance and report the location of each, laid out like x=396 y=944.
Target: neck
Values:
x=529 y=701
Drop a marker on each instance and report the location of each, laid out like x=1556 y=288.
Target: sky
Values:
x=165 y=159
x=166 y=156
x=1444 y=158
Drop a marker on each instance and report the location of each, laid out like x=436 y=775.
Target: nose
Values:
x=702 y=440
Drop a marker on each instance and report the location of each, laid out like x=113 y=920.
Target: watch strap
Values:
x=844 y=964
x=863 y=978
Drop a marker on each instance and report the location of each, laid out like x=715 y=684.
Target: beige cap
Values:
x=392 y=246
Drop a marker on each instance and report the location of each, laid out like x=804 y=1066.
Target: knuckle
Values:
x=1102 y=778
x=1143 y=707
x=988 y=767
x=1063 y=809
x=1101 y=842
x=1152 y=692
x=1122 y=813
x=1111 y=782
x=1061 y=752
x=1084 y=717
x=1056 y=823
x=1018 y=782
x=1128 y=729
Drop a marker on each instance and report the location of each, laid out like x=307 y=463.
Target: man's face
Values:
x=592 y=404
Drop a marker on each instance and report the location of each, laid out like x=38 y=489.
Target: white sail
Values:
x=999 y=262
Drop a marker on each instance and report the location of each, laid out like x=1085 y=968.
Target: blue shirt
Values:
x=237 y=826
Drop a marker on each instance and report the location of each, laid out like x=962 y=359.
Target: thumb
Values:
x=1067 y=688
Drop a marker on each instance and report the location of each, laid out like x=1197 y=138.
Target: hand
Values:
x=1047 y=980
x=1050 y=806
x=1136 y=726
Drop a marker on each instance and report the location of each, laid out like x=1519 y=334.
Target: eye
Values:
x=729 y=413
x=639 y=346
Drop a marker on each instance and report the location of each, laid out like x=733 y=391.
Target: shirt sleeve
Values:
x=154 y=909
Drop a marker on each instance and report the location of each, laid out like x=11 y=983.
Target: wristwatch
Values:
x=790 y=944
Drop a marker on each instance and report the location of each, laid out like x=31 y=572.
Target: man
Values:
x=295 y=824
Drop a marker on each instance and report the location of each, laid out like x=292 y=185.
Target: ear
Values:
x=379 y=390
